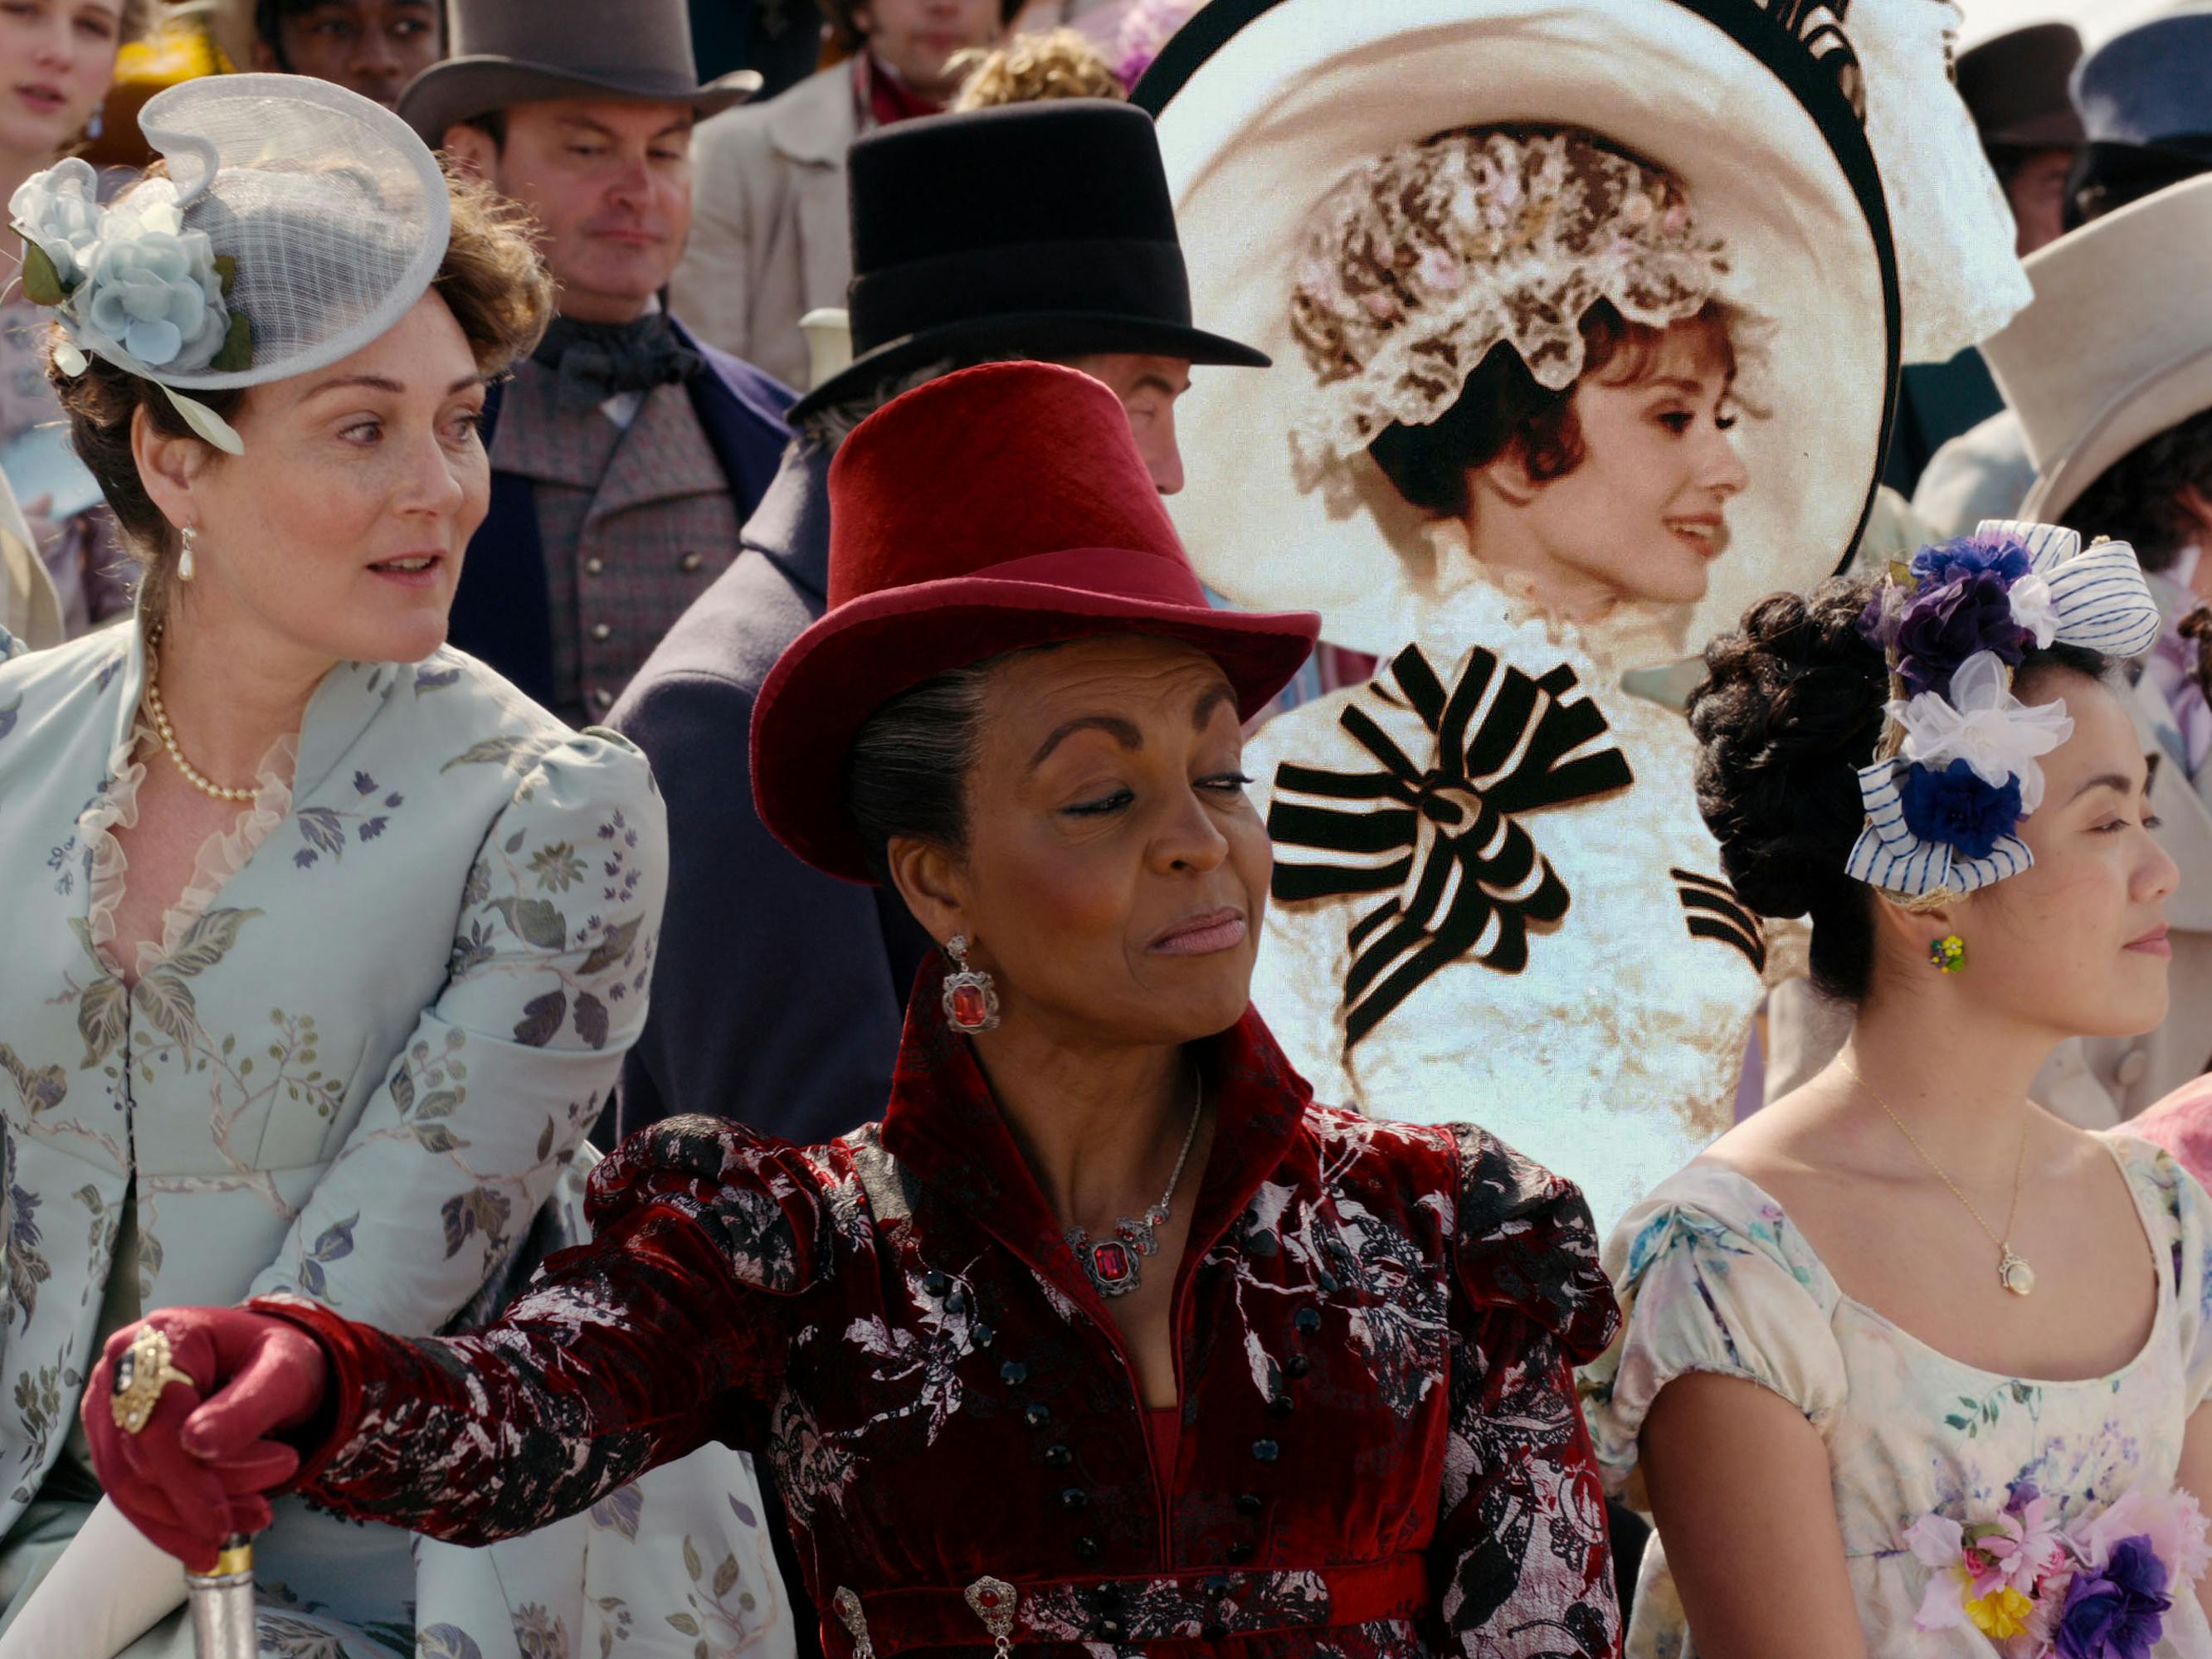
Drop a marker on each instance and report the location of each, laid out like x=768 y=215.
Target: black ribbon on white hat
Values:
x=1443 y=841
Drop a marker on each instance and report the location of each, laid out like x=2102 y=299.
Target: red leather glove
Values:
x=200 y=1471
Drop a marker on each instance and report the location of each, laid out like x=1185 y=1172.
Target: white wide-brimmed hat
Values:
x=2118 y=344
x=1265 y=106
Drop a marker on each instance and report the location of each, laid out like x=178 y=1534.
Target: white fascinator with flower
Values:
x=1959 y=763
x=297 y=222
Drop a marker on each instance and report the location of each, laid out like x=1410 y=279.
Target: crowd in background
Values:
x=765 y=230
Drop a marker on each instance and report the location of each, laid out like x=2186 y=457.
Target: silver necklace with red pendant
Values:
x=1111 y=1263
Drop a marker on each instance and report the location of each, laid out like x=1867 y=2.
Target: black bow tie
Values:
x=599 y=360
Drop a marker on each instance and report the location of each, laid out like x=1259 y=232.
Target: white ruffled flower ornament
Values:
x=1983 y=724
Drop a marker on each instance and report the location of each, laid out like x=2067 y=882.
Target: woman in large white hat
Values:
x=1585 y=319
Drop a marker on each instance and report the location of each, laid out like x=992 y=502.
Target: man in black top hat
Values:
x=1039 y=231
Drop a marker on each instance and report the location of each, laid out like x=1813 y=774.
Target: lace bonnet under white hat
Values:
x=298 y=223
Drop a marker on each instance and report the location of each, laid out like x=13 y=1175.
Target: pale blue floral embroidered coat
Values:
x=375 y=1034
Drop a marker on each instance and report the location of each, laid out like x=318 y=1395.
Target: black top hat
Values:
x=1028 y=230
x=520 y=51
x=2015 y=85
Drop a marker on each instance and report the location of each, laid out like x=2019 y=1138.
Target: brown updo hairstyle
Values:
x=1789 y=710
x=1503 y=410
x=491 y=278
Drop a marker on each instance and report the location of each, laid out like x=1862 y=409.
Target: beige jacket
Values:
x=770 y=240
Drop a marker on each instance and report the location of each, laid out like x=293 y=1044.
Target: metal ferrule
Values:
x=223 y=1626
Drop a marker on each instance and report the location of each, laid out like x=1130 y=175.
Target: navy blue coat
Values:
x=503 y=612
x=778 y=992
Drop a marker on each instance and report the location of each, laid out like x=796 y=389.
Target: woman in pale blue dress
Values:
x=323 y=943
x=1911 y=1366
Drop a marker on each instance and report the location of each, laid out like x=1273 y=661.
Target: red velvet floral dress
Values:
x=1380 y=1454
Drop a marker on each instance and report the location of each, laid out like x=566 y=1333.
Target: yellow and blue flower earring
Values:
x=1949 y=953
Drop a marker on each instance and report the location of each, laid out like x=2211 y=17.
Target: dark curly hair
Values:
x=2137 y=498
x=1502 y=409
x=1789 y=710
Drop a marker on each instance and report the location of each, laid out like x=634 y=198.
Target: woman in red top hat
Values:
x=1106 y=1336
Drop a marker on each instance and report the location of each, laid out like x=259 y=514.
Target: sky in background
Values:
x=2098 y=20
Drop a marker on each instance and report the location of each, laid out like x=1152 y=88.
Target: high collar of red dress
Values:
x=944 y=1125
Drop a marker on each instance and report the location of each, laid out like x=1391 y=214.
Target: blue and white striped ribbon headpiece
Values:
x=2094 y=597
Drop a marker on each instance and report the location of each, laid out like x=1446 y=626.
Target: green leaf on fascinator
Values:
x=226 y=268
x=205 y=421
x=237 y=351
x=42 y=283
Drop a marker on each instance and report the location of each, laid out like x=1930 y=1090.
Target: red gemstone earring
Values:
x=971 y=1000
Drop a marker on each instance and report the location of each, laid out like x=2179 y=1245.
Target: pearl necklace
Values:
x=162 y=729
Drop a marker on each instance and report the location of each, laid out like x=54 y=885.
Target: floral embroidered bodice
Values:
x=1715 y=1277
x=374 y=1030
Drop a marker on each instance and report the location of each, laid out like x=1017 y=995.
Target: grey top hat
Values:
x=522 y=52
x=2014 y=84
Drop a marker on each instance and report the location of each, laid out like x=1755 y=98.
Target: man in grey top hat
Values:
x=625 y=454
x=2145 y=102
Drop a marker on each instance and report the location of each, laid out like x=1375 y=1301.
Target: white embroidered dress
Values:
x=1523 y=923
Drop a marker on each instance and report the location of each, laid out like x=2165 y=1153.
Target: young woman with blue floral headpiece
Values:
x=1951 y=1348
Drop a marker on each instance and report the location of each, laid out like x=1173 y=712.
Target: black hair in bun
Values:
x=1790 y=709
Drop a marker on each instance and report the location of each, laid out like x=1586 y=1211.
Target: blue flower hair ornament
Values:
x=1959 y=764
x=132 y=283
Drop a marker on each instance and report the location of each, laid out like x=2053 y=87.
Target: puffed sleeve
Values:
x=1521 y=1557
x=668 y=1330
x=506 y=1073
x=2182 y=1210
x=1720 y=1283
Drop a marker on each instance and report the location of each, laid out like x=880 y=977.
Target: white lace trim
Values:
x=1426 y=258
x=1632 y=634
x=220 y=857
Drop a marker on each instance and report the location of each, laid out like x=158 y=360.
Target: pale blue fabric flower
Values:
x=153 y=290
x=59 y=210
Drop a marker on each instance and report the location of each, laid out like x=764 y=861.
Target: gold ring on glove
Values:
x=140 y=1375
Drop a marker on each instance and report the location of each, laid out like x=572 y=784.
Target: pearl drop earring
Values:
x=184 y=561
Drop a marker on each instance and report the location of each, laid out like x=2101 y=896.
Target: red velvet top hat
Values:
x=996 y=508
